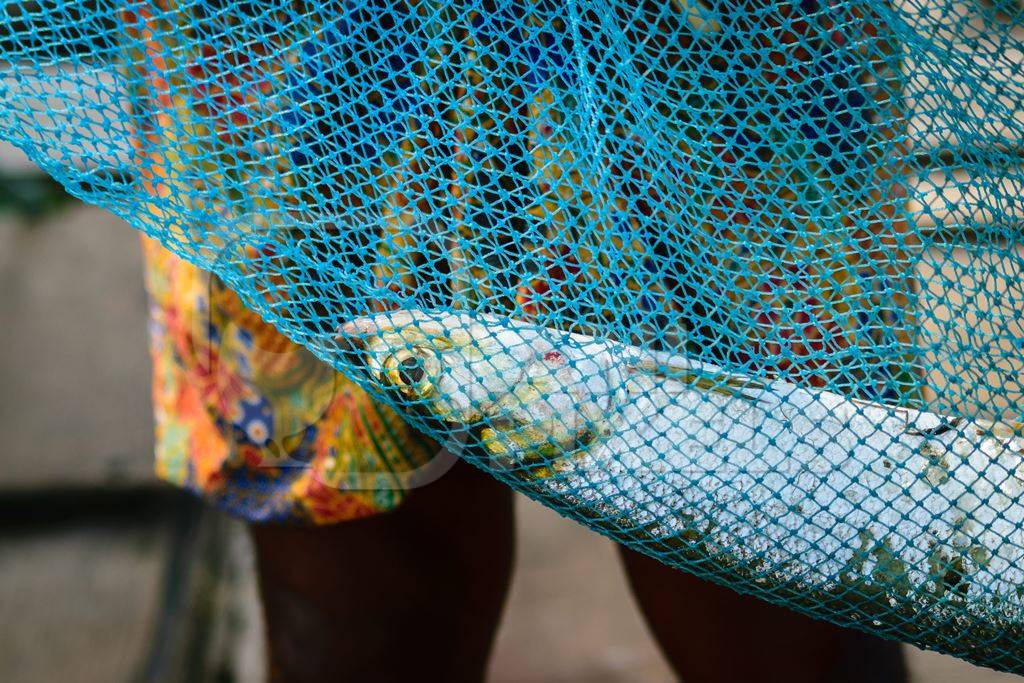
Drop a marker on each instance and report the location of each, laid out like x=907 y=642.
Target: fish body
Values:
x=807 y=485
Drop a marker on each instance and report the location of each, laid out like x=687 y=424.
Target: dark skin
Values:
x=711 y=634
x=431 y=576
x=417 y=594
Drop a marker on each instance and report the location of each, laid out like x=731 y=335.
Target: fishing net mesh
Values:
x=734 y=283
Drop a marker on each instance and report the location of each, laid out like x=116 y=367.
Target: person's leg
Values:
x=712 y=634
x=414 y=594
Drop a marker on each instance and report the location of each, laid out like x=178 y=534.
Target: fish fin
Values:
x=945 y=425
x=705 y=378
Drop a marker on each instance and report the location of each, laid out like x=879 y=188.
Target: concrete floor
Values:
x=63 y=606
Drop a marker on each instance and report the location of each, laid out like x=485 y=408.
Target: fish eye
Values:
x=410 y=370
x=407 y=370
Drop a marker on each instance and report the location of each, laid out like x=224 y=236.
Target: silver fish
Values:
x=805 y=487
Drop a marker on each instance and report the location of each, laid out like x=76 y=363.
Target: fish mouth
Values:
x=361 y=340
x=356 y=329
x=354 y=334
x=351 y=337
x=355 y=339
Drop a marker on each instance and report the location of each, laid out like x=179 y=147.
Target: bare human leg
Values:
x=414 y=594
x=711 y=634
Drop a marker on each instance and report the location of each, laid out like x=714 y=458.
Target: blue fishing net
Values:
x=736 y=284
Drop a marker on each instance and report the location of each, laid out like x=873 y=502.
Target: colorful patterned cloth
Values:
x=244 y=417
x=255 y=422
x=259 y=426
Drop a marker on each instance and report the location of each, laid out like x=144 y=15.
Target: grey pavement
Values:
x=78 y=604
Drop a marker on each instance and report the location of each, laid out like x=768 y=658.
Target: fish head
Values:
x=529 y=393
x=452 y=365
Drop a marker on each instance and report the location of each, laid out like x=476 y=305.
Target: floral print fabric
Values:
x=246 y=418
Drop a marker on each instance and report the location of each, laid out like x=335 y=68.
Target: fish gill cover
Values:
x=734 y=283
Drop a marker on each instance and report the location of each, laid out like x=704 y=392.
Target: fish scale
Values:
x=811 y=487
